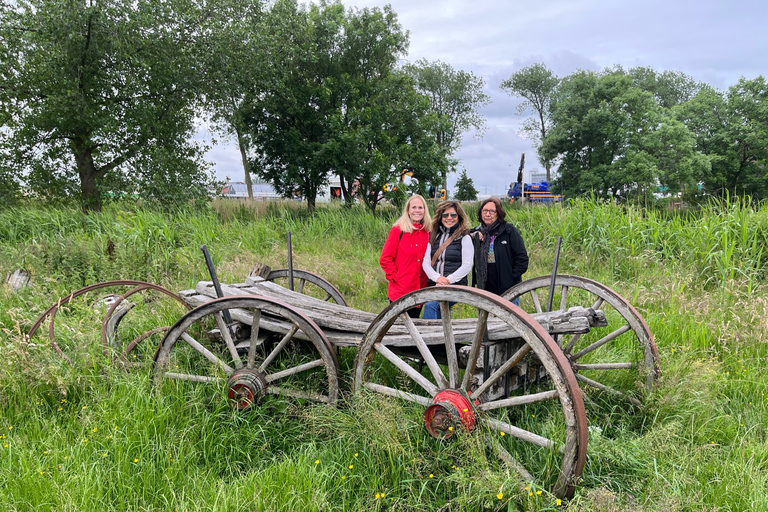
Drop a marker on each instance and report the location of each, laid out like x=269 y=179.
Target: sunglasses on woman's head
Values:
x=452 y=215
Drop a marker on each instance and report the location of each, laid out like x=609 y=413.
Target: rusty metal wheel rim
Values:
x=216 y=365
x=54 y=308
x=537 y=341
x=303 y=277
x=633 y=324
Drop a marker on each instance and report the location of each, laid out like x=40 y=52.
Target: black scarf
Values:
x=482 y=268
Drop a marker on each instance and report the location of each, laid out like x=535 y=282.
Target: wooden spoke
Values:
x=604 y=366
x=536 y=301
x=327 y=297
x=571 y=343
x=602 y=341
x=609 y=389
x=192 y=342
x=227 y=336
x=191 y=378
x=293 y=371
x=515 y=401
x=450 y=345
x=563 y=298
x=301 y=285
x=520 y=433
x=598 y=303
x=407 y=369
x=275 y=351
x=507 y=458
x=253 y=346
x=474 y=351
x=295 y=393
x=426 y=355
x=502 y=370
x=409 y=397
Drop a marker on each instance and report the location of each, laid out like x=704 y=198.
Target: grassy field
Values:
x=90 y=435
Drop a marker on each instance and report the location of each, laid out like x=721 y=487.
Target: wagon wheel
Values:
x=547 y=428
x=308 y=284
x=77 y=308
x=607 y=358
x=270 y=349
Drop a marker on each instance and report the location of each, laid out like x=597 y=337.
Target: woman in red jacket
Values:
x=404 y=251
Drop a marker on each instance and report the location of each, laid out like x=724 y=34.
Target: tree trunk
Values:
x=90 y=199
x=244 y=157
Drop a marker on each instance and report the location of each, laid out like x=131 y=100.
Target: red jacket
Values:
x=401 y=260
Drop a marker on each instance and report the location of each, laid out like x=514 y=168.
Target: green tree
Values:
x=290 y=116
x=455 y=98
x=536 y=85
x=731 y=129
x=385 y=127
x=615 y=140
x=90 y=89
x=465 y=188
x=334 y=102
x=235 y=66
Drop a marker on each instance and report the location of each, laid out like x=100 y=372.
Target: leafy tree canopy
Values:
x=91 y=90
x=455 y=98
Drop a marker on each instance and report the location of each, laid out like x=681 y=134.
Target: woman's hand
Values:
x=479 y=235
x=442 y=281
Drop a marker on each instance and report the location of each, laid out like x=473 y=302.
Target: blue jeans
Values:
x=432 y=310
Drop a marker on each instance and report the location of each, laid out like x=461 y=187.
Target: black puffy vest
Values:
x=450 y=260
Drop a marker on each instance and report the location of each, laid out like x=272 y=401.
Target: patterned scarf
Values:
x=482 y=268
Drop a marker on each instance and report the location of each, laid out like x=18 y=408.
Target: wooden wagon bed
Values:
x=345 y=326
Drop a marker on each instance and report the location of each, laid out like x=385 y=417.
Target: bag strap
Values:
x=444 y=246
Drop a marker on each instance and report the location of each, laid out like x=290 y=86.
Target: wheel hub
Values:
x=451 y=410
x=246 y=387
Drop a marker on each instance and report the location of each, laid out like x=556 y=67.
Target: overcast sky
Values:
x=713 y=41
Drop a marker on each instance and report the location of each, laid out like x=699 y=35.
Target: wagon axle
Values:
x=245 y=388
x=451 y=409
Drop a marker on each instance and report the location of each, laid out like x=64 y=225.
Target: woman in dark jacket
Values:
x=500 y=255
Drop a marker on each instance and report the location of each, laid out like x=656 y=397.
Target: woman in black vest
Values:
x=449 y=254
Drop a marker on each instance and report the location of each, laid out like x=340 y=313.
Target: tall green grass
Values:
x=92 y=436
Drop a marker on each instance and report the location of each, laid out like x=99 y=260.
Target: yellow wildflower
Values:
x=500 y=495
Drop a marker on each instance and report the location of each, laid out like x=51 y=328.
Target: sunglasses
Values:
x=452 y=215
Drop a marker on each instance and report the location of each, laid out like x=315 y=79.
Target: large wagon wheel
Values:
x=308 y=284
x=547 y=428
x=270 y=349
x=116 y=306
x=609 y=358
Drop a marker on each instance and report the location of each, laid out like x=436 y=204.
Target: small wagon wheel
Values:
x=547 y=429
x=271 y=349
x=607 y=358
x=308 y=284
x=110 y=320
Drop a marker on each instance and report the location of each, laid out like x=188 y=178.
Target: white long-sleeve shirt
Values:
x=467 y=257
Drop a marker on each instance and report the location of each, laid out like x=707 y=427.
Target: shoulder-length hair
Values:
x=462 y=226
x=499 y=209
x=404 y=222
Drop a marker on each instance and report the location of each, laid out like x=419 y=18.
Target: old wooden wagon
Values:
x=487 y=367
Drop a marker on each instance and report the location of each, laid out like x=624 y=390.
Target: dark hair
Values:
x=499 y=210
x=462 y=225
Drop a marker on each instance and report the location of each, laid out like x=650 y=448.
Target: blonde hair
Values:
x=462 y=225
x=404 y=222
